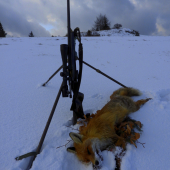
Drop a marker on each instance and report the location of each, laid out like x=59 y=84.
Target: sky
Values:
x=47 y=18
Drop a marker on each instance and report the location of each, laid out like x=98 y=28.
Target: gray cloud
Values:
x=149 y=17
x=15 y=24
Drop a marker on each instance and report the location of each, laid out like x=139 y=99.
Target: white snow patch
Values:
x=139 y=62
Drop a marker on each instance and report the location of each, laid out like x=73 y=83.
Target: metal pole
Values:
x=68 y=21
x=103 y=74
x=69 y=34
x=53 y=75
x=46 y=129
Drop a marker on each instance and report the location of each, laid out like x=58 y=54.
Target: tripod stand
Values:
x=97 y=70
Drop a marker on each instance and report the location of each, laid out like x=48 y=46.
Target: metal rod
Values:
x=94 y=69
x=53 y=75
x=69 y=33
x=103 y=74
x=90 y=67
x=46 y=128
x=68 y=21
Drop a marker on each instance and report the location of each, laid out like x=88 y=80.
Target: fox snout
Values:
x=96 y=162
x=98 y=159
x=85 y=150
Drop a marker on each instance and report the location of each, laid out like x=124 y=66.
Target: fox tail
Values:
x=126 y=92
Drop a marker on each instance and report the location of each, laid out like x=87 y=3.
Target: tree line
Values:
x=3 y=33
x=101 y=23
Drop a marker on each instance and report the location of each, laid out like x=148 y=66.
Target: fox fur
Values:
x=99 y=134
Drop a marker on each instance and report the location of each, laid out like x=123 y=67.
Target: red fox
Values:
x=99 y=134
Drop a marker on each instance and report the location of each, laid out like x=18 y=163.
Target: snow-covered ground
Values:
x=26 y=63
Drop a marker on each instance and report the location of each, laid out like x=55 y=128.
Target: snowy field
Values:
x=26 y=63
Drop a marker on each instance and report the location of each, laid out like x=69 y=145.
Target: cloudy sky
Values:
x=49 y=17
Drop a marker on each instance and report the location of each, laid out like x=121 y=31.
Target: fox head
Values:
x=86 y=149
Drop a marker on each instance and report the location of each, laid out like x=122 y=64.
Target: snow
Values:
x=112 y=32
x=116 y=32
x=26 y=63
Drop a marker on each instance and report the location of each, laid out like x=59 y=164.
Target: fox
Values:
x=99 y=134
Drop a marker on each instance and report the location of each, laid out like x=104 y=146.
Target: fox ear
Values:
x=77 y=138
x=71 y=149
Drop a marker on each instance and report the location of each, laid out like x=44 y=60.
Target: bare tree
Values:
x=101 y=23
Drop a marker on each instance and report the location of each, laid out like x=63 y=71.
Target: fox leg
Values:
x=118 y=141
x=141 y=102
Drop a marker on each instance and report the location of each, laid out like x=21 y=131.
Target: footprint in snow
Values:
x=164 y=95
x=97 y=96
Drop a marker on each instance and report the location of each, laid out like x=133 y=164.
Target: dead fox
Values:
x=99 y=134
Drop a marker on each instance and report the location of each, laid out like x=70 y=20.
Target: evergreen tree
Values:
x=106 y=23
x=101 y=23
x=31 y=34
x=2 y=32
x=89 y=33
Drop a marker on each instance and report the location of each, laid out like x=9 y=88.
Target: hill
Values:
x=113 y=32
